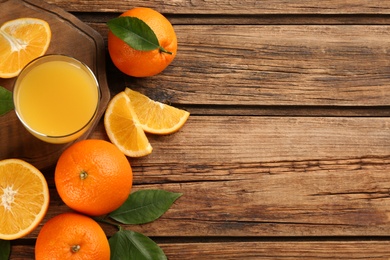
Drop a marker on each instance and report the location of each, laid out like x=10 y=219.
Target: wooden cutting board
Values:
x=71 y=37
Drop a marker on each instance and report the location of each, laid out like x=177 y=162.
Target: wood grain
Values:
x=250 y=7
x=273 y=65
x=375 y=249
x=228 y=140
x=279 y=250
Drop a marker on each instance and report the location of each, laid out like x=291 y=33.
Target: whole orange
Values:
x=93 y=177
x=144 y=63
x=71 y=236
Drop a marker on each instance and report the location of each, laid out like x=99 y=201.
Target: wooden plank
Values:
x=346 y=198
x=279 y=250
x=226 y=140
x=235 y=65
x=278 y=204
x=233 y=7
x=374 y=249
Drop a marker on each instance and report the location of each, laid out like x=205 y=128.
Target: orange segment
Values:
x=21 y=41
x=156 y=117
x=123 y=128
x=24 y=198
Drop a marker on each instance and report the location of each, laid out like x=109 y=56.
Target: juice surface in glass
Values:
x=56 y=100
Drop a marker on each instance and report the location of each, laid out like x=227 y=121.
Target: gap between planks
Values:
x=266 y=19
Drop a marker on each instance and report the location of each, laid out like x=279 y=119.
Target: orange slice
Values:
x=123 y=128
x=21 y=41
x=24 y=198
x=156 y=117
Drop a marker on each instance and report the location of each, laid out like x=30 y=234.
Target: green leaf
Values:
x=127 y=244
x=6 y=102
x=134 y=32
x=144 y=206
x=5 y=249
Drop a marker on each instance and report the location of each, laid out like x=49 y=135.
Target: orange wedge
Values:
x=24 y=198
x=123 y=128
x=21 y=41
x=156 y=117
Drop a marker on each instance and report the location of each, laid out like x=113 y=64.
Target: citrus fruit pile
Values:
x=130 y=114
x=21 y=41
x=92 y=177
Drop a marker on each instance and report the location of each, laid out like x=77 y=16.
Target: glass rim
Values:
x=54 y=57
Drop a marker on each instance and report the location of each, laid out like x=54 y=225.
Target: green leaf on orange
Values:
x=6 y=102
x=135 y=32
x=144 y=206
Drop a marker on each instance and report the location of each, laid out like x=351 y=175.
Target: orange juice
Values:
x=56 y=99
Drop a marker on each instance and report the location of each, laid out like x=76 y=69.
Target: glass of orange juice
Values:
x=56 y=98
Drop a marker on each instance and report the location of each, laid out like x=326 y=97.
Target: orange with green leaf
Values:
x=141 y=42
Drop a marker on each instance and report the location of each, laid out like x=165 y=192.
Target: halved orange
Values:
x=123 y=128
x=21 y=41
x=24 y=198
x=156 y=117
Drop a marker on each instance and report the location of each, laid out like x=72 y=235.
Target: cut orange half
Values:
x=123 y=128
x=21 y=41
x=156 y=117
x=24 y=198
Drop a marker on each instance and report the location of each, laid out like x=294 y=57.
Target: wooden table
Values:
x=286 y=153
